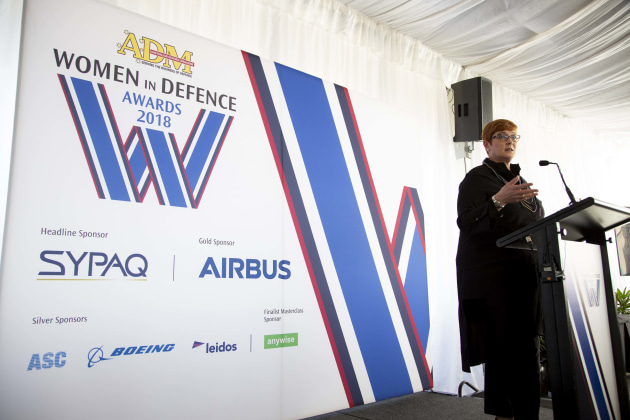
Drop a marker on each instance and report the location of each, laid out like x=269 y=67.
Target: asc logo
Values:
x=93 y=264
x=47 y=361
x=154 y=52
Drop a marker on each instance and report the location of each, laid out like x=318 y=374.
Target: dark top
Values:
x=498 y=288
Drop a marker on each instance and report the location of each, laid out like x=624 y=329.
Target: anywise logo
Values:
x=281 y=340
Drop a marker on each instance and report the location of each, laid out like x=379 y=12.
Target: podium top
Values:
x=578 y=220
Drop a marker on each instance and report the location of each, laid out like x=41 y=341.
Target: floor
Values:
x=424 y=406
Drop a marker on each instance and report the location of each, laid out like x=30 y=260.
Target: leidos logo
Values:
x=154 y=52
x=47 y=361
x=89 y=264
x=96 y=354
x=216 y=347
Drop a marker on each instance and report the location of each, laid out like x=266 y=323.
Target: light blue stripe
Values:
x=166 y=167
x=416 y=289
x=339 y=211
x=137 y=161
x=201 y=153
x=105 y=152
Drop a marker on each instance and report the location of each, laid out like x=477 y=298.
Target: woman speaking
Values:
x=498 y=288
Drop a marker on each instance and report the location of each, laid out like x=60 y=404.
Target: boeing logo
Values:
x=155 y=348
x=95 y=356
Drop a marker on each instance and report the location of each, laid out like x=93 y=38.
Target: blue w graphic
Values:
x=124 y=171
x=376 y=316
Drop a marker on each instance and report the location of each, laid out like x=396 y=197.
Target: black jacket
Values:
x=497 y=287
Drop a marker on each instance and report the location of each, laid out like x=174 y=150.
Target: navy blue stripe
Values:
x=418 y=207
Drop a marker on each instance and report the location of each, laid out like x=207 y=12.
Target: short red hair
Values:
x=495 y=126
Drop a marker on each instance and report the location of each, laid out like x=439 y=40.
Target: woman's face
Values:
x=501 y=150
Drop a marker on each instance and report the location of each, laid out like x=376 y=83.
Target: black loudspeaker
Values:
x=473 y=108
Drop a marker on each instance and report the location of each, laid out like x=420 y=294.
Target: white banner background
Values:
x=51 y=188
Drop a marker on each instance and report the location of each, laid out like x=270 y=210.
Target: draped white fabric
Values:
x=571 y=55
x=330 y=40
x=10 y=18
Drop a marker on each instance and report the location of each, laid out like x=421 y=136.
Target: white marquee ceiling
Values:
x=572 y=55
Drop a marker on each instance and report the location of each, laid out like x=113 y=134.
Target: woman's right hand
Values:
x=513 y=192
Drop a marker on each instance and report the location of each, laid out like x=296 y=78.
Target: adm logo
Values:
x=154 y=52
x=96 y=354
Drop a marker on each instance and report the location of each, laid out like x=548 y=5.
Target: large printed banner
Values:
x=194 y=231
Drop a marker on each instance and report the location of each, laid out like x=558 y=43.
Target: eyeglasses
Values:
x=504 y=138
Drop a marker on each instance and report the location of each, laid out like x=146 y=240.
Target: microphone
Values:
x=545 y=163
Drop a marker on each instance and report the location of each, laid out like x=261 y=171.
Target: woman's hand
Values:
x=513 y=192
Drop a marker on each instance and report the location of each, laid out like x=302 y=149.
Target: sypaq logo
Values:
x=68 y=265
x=153 y=52
x=96 y=354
